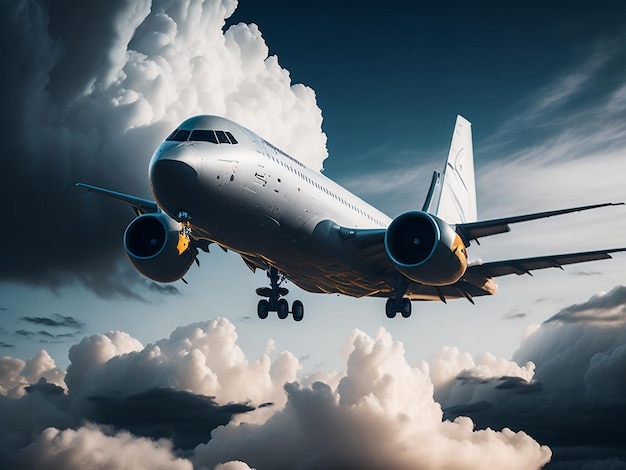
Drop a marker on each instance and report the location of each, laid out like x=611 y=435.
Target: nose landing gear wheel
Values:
x=390 y=308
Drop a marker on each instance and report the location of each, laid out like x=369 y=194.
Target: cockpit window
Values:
x=221 y=136
x=179 y=135
x=231 y=137
x=204 y=136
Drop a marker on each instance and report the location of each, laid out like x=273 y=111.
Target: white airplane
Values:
x=215 y=181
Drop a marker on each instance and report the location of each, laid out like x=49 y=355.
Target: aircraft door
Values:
x=259 y=177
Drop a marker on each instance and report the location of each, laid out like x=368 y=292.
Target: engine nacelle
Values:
x=150 y=243
x=425 y=249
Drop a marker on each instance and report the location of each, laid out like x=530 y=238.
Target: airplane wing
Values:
x=526 y=265
x=368 y=244
x=474 y=230
x=139 y=205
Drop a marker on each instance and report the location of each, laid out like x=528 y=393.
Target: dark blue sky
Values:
x=395 y=76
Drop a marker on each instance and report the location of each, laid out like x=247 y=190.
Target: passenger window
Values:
x=231 y=138
x=221 y=136
x=204 y=136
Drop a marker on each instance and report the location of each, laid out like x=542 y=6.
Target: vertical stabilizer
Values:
x=457 y=200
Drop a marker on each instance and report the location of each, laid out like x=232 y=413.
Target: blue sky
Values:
x=542 y=85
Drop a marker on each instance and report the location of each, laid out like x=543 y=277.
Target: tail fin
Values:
x=457 y=198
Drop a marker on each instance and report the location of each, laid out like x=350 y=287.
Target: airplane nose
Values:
x=174 y=177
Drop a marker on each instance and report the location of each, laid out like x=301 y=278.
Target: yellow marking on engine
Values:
x=183 y=243
x=458 y=248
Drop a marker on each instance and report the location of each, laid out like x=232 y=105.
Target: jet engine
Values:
x=150 y=243
x=425 y=249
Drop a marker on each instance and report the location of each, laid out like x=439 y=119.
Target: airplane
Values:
x=214 y=181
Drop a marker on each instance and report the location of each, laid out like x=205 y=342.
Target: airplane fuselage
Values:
x=256 y=200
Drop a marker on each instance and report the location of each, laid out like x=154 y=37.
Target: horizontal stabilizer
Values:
x=474 y=230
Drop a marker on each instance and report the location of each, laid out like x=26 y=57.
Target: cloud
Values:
x=564 y=389
x=515 y=316
x=56 y=321
x=381 y=415
x=381 y=411
x=90 y=446
x=608 y=308
x=185 y=418
x=92 y=91
x=16 y=374
x=574 y=399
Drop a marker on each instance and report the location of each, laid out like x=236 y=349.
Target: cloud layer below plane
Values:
x=91 y=92
x=194 y=399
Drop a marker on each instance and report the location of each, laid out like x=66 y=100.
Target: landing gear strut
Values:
x=274 y=302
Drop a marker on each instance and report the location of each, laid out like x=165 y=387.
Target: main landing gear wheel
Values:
x=393 y=306
x=390 y=308
x=263 y=309
x=282 y=308
x=297 y=310
x=274 y=301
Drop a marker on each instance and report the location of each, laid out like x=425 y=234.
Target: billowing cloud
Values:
x=381 y=415
x=574 y=401
x=196 y=395
x=91 y=447
x=171 y=394
x=90 y=93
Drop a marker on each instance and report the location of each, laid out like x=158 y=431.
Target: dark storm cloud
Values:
x=518 y=385
x=55 y=321
x=25 y=333
x=575 y=399
x=609 y=308
x=44 y=387
x=6 y=345
x=185 y=418
x=55 y=132
x=89 y=91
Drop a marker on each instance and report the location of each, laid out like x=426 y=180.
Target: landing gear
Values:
x=275 y=302
x=398 y=303
x=393 y=306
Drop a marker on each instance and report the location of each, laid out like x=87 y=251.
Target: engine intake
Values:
x=425 y=249
x=150 y=242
